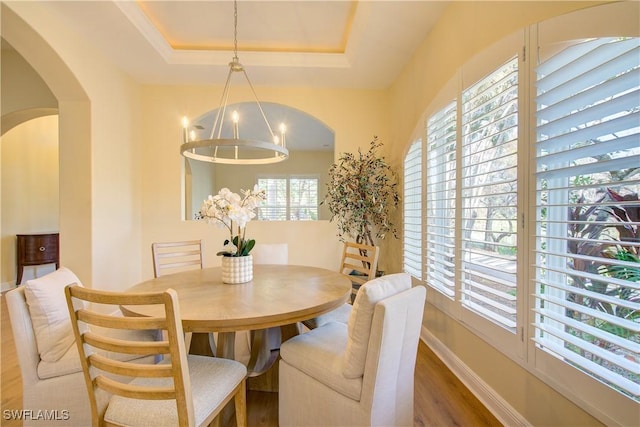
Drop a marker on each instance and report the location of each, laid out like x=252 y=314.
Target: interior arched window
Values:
x=295 y=186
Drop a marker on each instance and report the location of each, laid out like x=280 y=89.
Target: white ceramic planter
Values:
x=237 y=269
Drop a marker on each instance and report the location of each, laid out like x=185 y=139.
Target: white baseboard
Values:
x=485 y=394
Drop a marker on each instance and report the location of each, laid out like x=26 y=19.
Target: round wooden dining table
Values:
x=278 y=295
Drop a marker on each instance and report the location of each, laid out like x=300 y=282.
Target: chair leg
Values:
x=240 y=400
x=187 y=341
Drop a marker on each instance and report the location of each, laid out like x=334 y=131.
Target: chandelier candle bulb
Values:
x=283 y=131
x=185 y=129
x=236 y=133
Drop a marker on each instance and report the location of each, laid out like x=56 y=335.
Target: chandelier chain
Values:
x=235 y=29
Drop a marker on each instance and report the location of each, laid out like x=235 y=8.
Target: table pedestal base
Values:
x=262 y=369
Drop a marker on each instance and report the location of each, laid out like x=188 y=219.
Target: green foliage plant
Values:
x=362 y=193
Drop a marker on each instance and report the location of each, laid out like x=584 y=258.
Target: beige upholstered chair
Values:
x=271 y=253
x=360 y=374
x=181 y=390
x=268 y=253
x=52 y=382
x=360 y=263
x=171 y=257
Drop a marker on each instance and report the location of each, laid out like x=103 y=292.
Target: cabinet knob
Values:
x=42 y=248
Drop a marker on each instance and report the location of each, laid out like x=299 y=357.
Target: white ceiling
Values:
x=331 y=43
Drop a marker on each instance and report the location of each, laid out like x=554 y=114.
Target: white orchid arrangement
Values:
x=230 y=210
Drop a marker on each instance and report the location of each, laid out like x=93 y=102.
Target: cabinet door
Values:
x=40 y=248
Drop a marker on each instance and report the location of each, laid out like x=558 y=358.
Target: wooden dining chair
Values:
x=360 y=263
x=182 y=390
x=171 y=257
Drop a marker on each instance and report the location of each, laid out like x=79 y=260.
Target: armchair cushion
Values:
x=361 y=315
x=69 y=363
x=319 y=354
x=49 y=313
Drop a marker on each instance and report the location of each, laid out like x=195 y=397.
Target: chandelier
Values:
x=227 y=146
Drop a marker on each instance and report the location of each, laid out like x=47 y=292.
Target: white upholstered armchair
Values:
x=361 y=373
x=41 y=388
x=52 y=378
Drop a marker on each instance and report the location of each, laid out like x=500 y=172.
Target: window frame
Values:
x=288 y=194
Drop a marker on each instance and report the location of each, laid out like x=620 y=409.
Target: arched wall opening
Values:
x=74 y=133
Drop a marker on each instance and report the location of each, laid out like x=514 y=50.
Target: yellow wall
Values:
x=30 y=202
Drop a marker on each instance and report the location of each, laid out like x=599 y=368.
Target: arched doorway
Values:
x=74 y=134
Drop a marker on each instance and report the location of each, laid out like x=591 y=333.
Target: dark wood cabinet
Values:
x=37 y=249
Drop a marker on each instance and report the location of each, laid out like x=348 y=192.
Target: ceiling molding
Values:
x=148 y=30
x=210 y=57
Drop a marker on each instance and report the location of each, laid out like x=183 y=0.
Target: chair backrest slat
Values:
x=126 y=346
x=130 y=369
x=135 y=392
x=360 y=263
x=171 y=257
x=129 y=323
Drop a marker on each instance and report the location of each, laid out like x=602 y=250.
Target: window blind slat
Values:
x=583 y=117
x=568 y=56
x=593 y=349
x=489 y=314
x=586 y=365
x=606 y=60
x=585 y=327
x=600 y=166
x=593 y=133
x=621 y=84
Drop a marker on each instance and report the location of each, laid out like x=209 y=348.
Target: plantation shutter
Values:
x=274 y=207
x=587 y=300
x=303 y=199
x=412 y=215
x=441 y=200
x=489 y=194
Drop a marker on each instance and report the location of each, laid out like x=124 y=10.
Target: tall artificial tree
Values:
x=362 y=193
